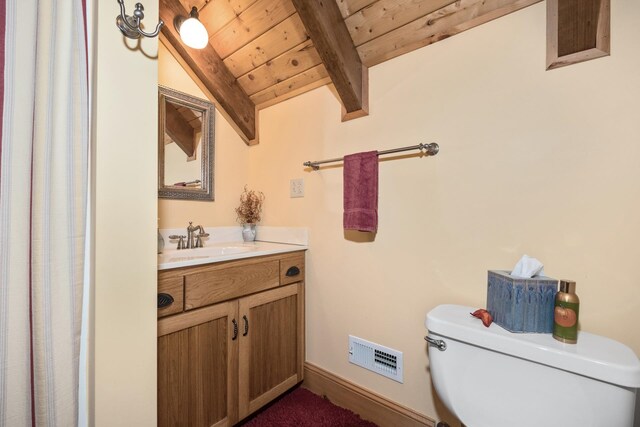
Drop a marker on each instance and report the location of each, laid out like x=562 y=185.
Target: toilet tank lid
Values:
x=593 y=356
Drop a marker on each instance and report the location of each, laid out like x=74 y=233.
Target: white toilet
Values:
x=489 y=377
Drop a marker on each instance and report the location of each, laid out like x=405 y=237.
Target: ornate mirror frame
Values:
x=206 y=149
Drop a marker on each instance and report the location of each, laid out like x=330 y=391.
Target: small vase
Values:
x=248 y=232
x=160 y=243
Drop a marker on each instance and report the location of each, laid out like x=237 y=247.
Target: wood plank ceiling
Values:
x=262 y=52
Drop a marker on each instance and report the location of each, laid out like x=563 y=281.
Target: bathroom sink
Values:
x=216 y=252
x=201 y=253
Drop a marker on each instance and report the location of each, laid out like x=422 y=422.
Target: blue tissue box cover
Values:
x=520 y=304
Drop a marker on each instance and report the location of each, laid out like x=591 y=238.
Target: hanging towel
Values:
x=361 y=191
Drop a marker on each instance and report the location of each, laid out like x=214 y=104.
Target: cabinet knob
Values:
x=164 y=300
x=292 y=271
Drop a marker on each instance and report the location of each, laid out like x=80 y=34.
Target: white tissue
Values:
x=528 y=267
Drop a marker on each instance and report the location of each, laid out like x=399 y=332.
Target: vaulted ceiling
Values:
x=262 y=52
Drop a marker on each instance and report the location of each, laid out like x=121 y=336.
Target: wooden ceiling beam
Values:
x=206 y=66
x=324 y=24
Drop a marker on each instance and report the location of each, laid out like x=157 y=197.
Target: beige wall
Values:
x=231 y=161
x=531 y=162
x=123 y=336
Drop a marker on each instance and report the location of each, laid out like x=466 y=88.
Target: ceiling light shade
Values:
x=192 y=32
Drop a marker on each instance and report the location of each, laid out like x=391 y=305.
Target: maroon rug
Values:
x=301 y=408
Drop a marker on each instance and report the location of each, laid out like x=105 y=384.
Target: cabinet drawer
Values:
x=172 y=286
x=292 y=269
x=222 y=283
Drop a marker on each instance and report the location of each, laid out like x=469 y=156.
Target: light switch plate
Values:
x=296 y=188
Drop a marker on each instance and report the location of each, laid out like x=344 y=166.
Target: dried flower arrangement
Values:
x=250 y=206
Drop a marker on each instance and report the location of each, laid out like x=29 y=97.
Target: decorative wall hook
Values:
x=130 y=25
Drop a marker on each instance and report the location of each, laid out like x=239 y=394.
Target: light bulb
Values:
x=193 y=33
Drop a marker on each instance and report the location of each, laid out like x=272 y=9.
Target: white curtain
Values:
x=43 y=199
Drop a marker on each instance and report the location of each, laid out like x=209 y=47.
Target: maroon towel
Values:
x=361 y=191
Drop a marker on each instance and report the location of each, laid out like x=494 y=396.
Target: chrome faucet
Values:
x=192 y=240
x=197 y=243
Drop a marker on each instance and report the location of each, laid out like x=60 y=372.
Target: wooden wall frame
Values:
x=577 y=31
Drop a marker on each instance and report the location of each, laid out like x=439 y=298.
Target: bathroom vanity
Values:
x=231 y=333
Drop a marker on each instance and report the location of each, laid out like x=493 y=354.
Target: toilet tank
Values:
x=495 y=378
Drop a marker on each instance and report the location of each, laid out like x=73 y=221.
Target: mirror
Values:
x=185 y=146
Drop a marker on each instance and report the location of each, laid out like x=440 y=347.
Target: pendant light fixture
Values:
x=192 y=31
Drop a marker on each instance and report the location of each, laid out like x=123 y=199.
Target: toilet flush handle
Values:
x=440 y=344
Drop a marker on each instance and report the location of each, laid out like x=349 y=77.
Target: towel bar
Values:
x=430 y=149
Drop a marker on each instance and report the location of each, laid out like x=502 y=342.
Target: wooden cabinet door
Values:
x=197 y=368
x=271 y=345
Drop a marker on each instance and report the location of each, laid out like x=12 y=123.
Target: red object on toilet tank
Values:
x=483 y=315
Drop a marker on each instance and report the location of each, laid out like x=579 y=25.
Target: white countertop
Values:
x=222 y=251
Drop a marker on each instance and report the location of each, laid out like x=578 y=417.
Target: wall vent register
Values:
x=375 y=357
